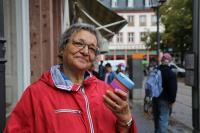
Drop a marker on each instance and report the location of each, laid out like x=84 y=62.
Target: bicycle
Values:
x=148 y=105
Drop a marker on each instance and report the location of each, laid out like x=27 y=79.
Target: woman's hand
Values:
x=117 y=102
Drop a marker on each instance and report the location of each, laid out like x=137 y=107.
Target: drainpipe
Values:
x=2 y=70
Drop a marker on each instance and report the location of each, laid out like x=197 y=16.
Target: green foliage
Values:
x=176 y=16
x=150 y=41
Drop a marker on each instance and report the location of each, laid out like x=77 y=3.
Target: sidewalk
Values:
x=182 y=109
x=145 y=123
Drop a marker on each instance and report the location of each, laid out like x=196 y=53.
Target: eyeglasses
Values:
x=93 y=50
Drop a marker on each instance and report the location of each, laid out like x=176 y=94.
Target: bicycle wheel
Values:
x=146 y=104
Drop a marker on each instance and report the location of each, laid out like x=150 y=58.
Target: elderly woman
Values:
x=67 y=98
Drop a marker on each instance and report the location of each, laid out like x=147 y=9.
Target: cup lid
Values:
x=125 y=80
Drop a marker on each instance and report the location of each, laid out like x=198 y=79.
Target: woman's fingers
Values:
x=123 y=95
x=117 y=101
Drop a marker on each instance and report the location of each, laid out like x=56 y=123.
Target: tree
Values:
x=149 y=40
x=176 y=16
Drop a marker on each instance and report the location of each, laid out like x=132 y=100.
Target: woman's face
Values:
x=80 y=52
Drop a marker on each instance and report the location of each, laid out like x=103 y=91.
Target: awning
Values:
x=94 y=12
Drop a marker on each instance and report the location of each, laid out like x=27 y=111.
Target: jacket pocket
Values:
x=69 y=120
x=67 y=111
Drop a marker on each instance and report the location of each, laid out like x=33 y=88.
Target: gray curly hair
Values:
x=66 y=36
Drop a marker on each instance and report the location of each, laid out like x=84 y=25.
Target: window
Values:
x=110 y=40
x=130 y=3
x=114 y=3
x=131 y=37
x=142 y=35
x=153 y=20
x=142 y=20
x=147 y=3
x=119 y=38
x=131 y=21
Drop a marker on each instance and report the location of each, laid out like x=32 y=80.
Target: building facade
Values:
x=141 y=20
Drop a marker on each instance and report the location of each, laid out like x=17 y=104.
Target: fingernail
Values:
x=107 y=91
x=116 y=90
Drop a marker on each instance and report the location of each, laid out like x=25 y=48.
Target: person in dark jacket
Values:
x=110 y=75
x=93 y=71
x=119 y=68
x=162 y=105
x=101 y=71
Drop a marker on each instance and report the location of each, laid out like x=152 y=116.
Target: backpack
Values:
x=153 y=84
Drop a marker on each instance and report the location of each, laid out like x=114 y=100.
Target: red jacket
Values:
x=44 y=108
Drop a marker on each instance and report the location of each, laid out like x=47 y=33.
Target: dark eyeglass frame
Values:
x=94 y=50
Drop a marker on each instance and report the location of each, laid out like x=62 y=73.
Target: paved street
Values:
x=183 y=106
x=181 y=120
x=144 y=123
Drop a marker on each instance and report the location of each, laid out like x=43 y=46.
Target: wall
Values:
x=45 y=28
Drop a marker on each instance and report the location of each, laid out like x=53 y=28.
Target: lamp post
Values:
x=196 y=67
x=155 y=4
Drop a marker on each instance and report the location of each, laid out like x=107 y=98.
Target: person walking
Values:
x=93 y=71
x=68 y=98
x=163 y=104
x=119 y=68
x=109 y=75
x=101 y=71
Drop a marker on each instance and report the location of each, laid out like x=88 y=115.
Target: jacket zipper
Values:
x=88 y=110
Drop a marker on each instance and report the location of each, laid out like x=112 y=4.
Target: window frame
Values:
x=143 y=20
x=132 y=22
x=114 y=3
x=131 y=37
x=130 y=3
x=119 y=37
x=147 y=3
x=142 y=34
x=153 y=17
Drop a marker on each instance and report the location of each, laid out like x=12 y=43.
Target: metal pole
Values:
x=2 y=86
x=196 y=50
x=158 y=33
x=2 y=71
